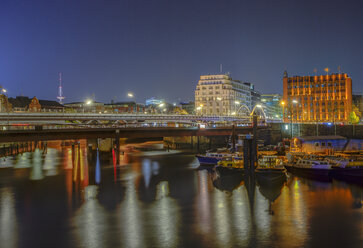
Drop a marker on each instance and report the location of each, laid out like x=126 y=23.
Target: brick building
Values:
x=324 y=98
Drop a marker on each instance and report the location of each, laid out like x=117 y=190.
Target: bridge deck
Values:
x=89 y=133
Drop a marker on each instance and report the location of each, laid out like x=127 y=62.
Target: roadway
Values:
x=46 y=117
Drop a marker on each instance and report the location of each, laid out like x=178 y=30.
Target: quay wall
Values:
x=271 y=136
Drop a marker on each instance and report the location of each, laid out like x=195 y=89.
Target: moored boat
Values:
x=270 y=171
x=347 y=169
x=212 y=158
x=230 y=165
x=310 y=168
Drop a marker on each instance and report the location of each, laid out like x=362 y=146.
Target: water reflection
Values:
x=162 y=201
x=37 y=168
x=8 y=219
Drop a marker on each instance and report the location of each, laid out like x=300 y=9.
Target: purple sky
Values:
x=160 y=48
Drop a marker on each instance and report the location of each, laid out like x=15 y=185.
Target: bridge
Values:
x=128 y=132
x=93 y=118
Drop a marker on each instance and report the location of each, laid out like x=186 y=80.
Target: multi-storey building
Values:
x=271 y=104
x=154 y=101
x=221 y=95
x=324 y=98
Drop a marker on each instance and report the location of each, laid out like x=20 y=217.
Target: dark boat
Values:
x=312 y=169
x=270 y=176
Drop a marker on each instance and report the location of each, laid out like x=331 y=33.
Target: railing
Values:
x=40 y=127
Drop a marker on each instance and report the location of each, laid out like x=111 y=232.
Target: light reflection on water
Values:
x=163 y=201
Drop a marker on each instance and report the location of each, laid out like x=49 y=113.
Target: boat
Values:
x=230 y=165
x=212 y=158
x=347 y=169
x=311 y=167
x=270 y=171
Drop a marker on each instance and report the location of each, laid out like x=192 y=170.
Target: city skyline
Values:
x=106 y=50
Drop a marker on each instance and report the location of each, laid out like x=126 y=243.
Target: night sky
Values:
x=160 y=48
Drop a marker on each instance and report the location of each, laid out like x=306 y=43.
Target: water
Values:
x=68 y=198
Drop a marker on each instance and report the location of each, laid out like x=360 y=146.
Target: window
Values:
x=330 y=144
x=316 y=144
x=323 y=144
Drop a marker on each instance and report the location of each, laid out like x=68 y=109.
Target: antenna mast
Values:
x=60 y=96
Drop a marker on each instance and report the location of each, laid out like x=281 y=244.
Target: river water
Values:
x=68 y=197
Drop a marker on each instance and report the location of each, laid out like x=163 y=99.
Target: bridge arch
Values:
x=258 y=108
x=243 y=109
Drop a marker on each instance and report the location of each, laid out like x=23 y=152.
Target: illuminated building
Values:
x=324 y=98
x=272 y=105
x=221 y=95
x=153 y=101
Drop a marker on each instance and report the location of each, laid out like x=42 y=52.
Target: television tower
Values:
x=60 y=91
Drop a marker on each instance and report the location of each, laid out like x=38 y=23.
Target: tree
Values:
x=353 y=118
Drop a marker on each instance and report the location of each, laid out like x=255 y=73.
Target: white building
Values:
x=221 y=95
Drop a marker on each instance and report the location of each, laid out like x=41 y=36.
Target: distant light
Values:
x=233 y=113
x=164 y=109
x=199 y=108
x=329 y=123
x=161 y=105
x=89 y=102
x=131 y=95
x=219 y=99
x=264 y=100
x=202 y=125
x=286 y=127
x=294 y=101
x=282 y=103
x=174 y=104
x=4 y=90
x=259 y=106
x=237 y=102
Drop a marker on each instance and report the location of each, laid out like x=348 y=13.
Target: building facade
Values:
x=271 y=104
x=26 y=104
x=324 y=98
x=189 y=107
x=154 y=101
x=221 y=95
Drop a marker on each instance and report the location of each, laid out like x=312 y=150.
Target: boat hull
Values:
x=205 y=160
x=226 y=171
x=270 y=177
x=311 y=173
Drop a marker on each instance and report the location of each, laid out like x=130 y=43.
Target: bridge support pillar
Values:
x=117 y=147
